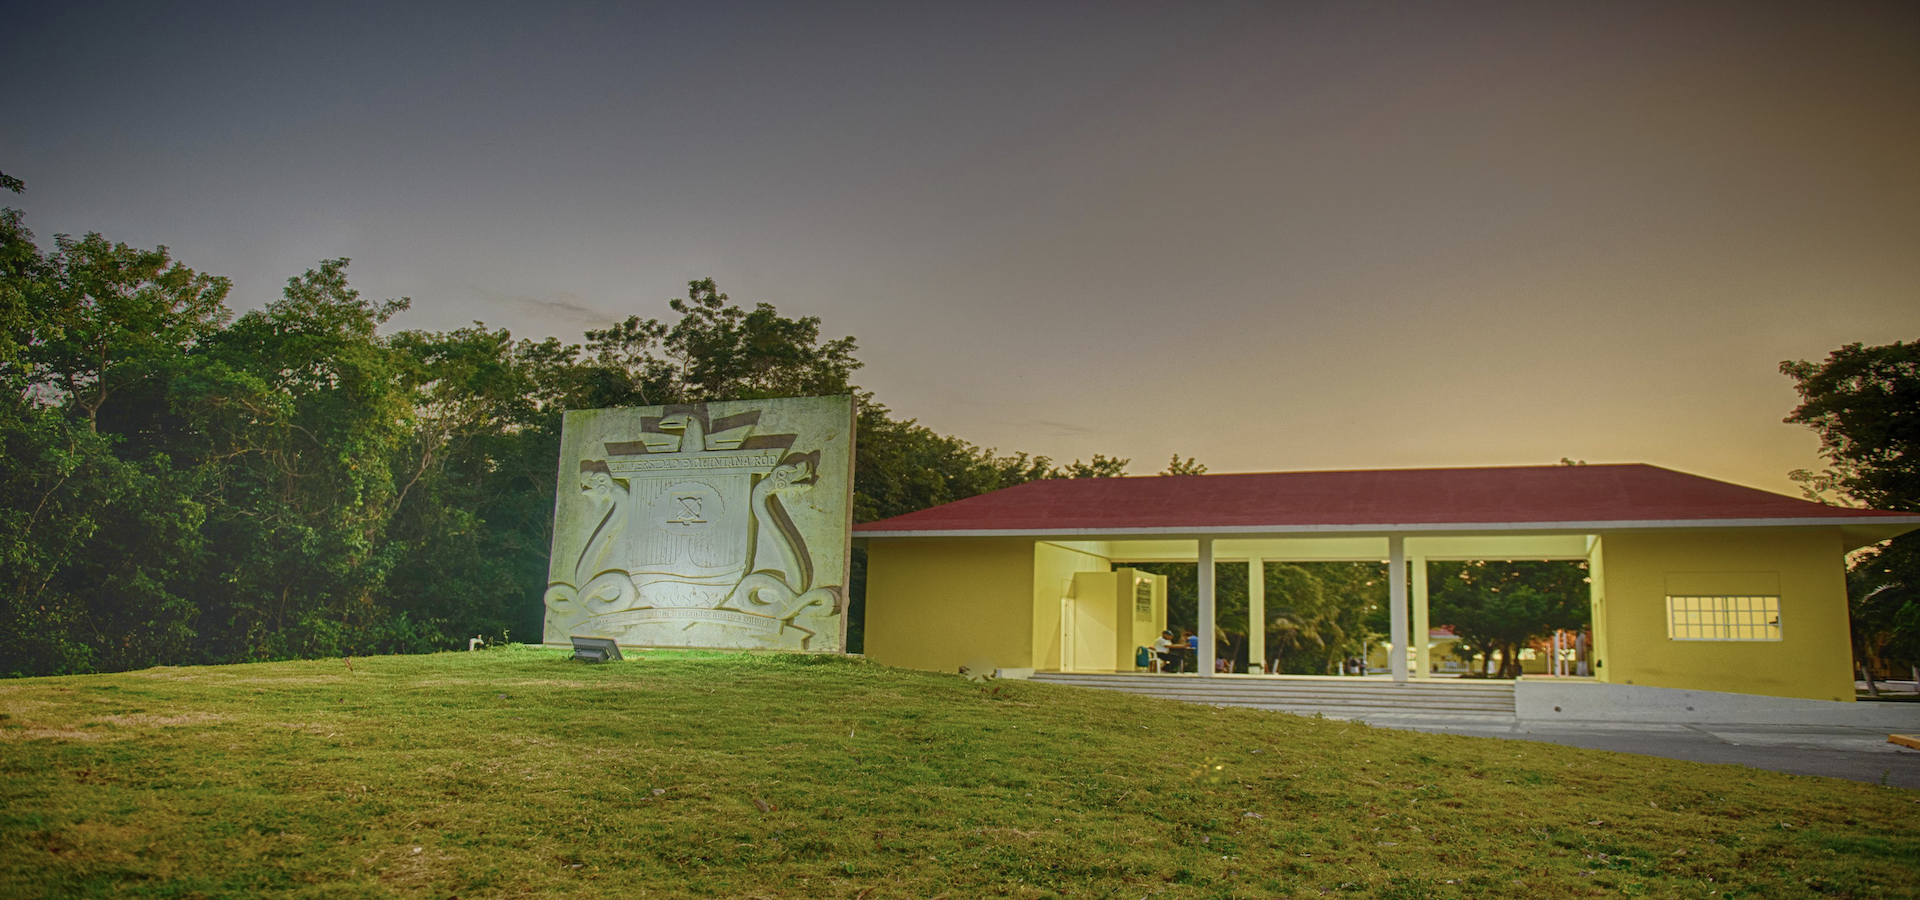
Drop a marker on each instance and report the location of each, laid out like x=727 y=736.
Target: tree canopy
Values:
x=1864 y=402
x=1188 y=466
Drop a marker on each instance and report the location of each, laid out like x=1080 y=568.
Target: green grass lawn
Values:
x=516 y=771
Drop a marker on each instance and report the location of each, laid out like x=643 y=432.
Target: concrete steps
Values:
x=1339 y=697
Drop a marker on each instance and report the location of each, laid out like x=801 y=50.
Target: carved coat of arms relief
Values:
x=712 y=525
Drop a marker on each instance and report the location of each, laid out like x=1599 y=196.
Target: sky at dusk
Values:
x=1272 y=236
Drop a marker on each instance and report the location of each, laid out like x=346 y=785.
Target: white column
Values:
x=1422 y=666
x=1396 y=604
x=1256 y=614
x=1207 y=637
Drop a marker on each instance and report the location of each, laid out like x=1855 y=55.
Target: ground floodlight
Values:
x=594 y=649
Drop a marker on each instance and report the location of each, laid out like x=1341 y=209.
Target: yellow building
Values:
x=1696 y=583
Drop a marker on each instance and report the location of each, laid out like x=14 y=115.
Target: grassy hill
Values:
x=517 y=772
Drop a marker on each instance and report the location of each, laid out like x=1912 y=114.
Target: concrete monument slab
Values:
x=718 y=525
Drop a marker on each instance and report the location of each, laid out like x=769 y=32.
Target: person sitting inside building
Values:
x=1163 y=650
x=1187 y=651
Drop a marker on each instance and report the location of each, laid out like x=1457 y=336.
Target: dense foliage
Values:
x=181 y=485
x=1865 y=404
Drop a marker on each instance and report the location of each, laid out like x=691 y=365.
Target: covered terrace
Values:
x=948 y=581
x=1404 y=556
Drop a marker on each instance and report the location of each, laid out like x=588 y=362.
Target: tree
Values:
x=100 y=508
x=317 y=420
x=114 y=319
x=716 y=351
x=1318 y=613
x=1101 y=466
x=475 y=517
x=1864 y=402
x=1503 y=606
x=1884 y=608
x=22 y=280
x=1188 y=466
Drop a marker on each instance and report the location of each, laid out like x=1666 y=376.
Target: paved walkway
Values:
x=1857 y=754
x=1490 y=709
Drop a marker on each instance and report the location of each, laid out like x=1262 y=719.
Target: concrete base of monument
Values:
x=1579 y=700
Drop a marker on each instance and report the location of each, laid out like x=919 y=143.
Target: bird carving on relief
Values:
x=781 y=584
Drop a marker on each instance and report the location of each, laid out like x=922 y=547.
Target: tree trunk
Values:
x=1867 y=673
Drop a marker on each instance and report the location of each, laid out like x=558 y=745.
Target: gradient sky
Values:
x=1272 y=236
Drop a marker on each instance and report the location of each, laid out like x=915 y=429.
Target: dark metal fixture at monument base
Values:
x=595 y=650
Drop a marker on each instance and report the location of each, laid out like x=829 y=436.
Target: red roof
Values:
x=1354 y=500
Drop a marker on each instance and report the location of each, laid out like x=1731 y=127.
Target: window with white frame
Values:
x=1723 y=618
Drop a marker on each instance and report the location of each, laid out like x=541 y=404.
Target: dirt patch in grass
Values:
x=65 y=733
x=147 y=720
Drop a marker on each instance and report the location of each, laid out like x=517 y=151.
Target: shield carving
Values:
x=689 y=535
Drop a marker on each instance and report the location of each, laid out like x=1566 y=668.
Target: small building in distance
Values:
x=1696 y=583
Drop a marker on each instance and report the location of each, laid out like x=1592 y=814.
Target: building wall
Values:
x=1597 y=594
x=1144 y=631
x=1094 y=595
x=1053 y=569
x=938 y=604
x=1805 y=569
x=1110 y=598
